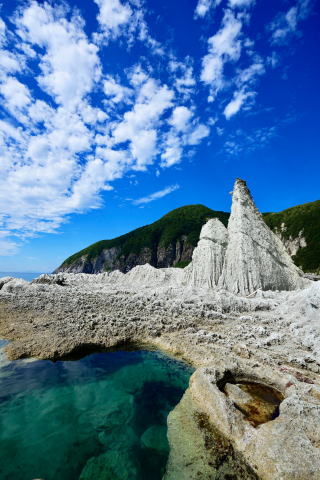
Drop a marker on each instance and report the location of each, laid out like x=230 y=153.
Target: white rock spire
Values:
x=255 y=256
x=208 y=256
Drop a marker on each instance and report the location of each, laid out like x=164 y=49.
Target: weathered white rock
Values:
x=256 y=257
x=148 y=276
x=14 y=285
x=208 y=256
x=273 y=448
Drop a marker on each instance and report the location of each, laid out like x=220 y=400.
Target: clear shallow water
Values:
x=99 y=418
x=25 y=275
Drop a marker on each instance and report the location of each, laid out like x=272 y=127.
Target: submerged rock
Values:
x=112 y=465
x=255 y=258
x=155 y=437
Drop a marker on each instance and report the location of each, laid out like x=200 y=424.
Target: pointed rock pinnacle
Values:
x=255 y=257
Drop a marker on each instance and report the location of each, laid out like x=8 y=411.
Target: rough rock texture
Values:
x=274 y=334
x=256 y=257
x=268 y=338
x=208 y=256
x=272 y=448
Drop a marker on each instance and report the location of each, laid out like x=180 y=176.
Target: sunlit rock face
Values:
x=208 y=256
x=255 y=257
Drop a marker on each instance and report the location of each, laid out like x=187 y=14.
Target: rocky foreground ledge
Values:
x=272 y=339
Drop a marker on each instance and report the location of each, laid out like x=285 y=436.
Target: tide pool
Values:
x=101 y=417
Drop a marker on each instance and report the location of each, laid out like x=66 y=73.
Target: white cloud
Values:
x=197 y=134
x=70 y=65
x=138 y=125
x=173 y=150
x=242 y=141
x=245 y=81
x=116 y=92
x=180 y=118
x=241 y=3
x=183 y=77
x=7 y=246
x=112 y=15
x=15 y=93
x=156 y=195
x=204 y=6
x=286 y=24
x=71 y=129
x=224 y=46
x=235 y=105
x=8 y=62
x=117 y=18
x=249 y=75
x=176 y=140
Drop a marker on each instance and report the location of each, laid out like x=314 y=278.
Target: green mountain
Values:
x=299 y=229
x=170 y=240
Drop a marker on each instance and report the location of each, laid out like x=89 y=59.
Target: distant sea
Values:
x=25 y=275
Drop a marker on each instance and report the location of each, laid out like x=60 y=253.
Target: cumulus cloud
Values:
x=156 y=195
x=61 y=145
x=189 y=133
x=122 y=18
x=180 y=118
x=16 y=95
x=138 y=126
x=245 y=80
x=115 y=91
x=70 y=65
x=113 y=15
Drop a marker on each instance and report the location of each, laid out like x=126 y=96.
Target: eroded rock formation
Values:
x=208 y=256
x=255 y=258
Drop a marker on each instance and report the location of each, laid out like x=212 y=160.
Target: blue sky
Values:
x=114 y=112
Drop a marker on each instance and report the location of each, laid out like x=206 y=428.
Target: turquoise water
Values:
x=99 y=418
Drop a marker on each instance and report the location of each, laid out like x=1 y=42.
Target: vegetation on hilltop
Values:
x=305 y=219
x=167 y=230
x=187 y=222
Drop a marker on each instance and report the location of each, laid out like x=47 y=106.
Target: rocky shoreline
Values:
x=241 y=313
x=263 y=339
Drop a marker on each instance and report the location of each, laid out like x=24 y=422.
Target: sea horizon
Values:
x=24 y=275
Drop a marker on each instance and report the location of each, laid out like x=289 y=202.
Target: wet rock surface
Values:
x=259 y=403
